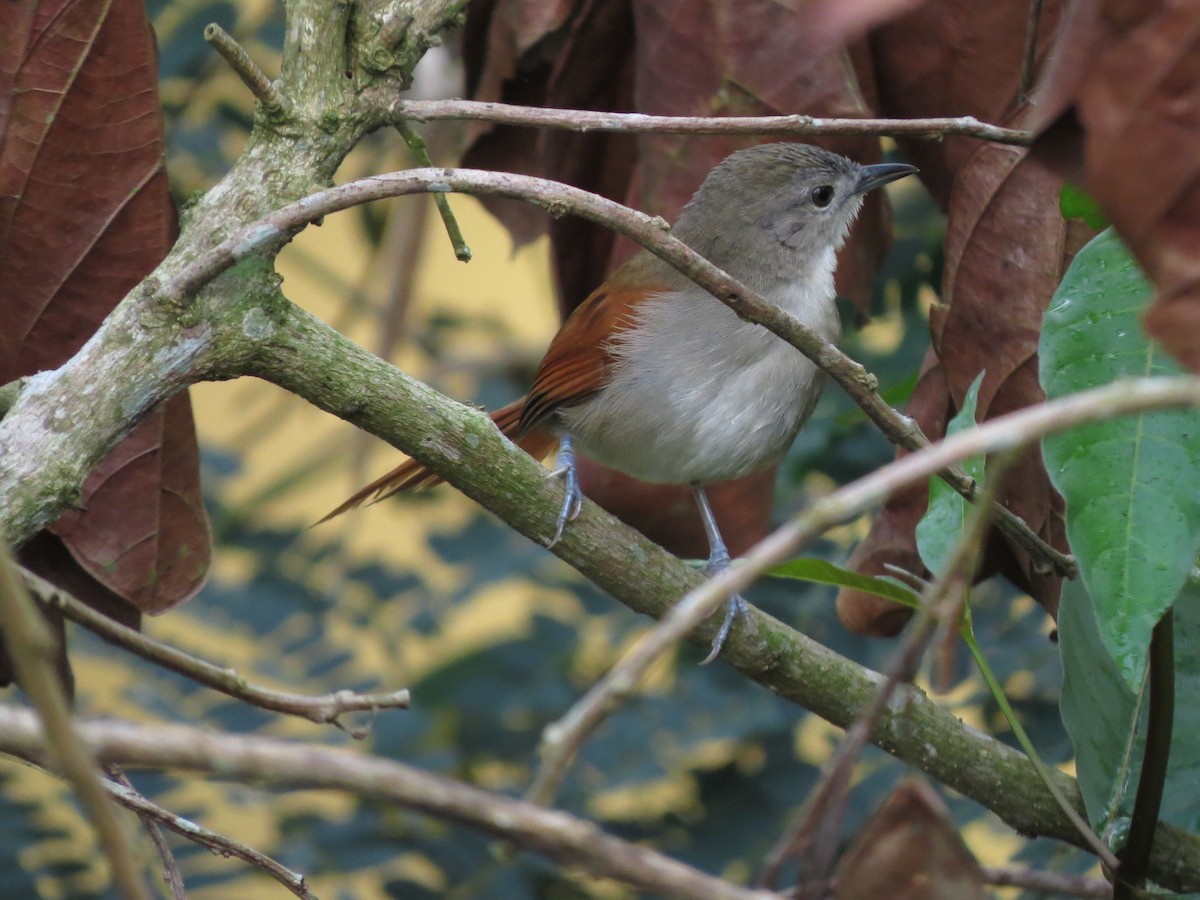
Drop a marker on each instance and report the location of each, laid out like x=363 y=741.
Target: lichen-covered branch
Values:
x=473 y=456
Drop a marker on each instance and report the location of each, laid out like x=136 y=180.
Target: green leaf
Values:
x=1099 y=710
x=945 y=518
x=1132 y=485
x=1076 y=203
x=820 y=571
x=1101 y=714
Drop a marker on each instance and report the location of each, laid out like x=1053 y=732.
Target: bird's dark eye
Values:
x=822 y=196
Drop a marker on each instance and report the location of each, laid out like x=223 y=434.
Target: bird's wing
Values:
x=579 y=362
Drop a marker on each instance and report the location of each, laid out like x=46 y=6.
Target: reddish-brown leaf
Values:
x=143 y=533
x=910 y=850
x=85 y=214
x=1125 y=99
x=954 y=58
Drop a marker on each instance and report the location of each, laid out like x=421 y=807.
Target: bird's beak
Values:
x=880 y=174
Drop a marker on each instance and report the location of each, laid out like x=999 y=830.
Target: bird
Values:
x=653 y=376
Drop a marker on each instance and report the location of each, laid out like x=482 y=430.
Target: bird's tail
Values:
x=411 y=474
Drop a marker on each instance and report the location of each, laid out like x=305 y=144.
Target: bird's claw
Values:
x=735 y=608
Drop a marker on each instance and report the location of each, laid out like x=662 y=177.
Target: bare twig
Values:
x=33 y=650
x=781 y=126
x=1160 y=724
x=416 y=146
x=556 y=835
x=274 y=230
x=171 y=875
x=154 y=815
x=326 y=709
x=1056 y=883
x=562 y=739
x=247 y=70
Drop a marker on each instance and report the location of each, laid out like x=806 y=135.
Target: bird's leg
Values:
x=564 y=467
x=718 y=561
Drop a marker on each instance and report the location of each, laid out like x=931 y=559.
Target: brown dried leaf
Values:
x=563 y=57
x=954 y=58
x=144 y=534
x=910 y=851
x=835 y=22
x=1125 y=96
x=85 y=214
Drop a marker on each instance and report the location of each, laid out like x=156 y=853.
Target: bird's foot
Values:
x=733 y=609
x=573 y=497
x=717 y=563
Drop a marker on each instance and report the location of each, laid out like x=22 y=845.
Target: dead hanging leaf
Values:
x=836 y=22
x=954 y=58
x=85 y=214
x=573 y=55
x=143 y=533
x=910 y=850
x=1124 y=100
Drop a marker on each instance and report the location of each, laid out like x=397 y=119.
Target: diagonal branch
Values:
x=274 y=230
x=1013 y=430
x=324 y=710
x=154 y=815
x=482 y=464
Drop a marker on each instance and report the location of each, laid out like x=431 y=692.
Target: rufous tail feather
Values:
x=410 y=474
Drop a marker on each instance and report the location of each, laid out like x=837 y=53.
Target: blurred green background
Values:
x=494 y=635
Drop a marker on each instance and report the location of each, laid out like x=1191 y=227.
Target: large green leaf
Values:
x=1101 y=715
x=945 y=518
x=1132 y=484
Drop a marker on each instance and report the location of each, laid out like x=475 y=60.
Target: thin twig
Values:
x=1029 y=60
x=1057 y=883
x=252 y=76
x=274 y=230
x=780 y=126
x=154 y=815
x=1160 y=722
x=562 y=739
x=324 y=710
x=171 y=874
x=559 y=836
x=416 y=146
x=33 y=652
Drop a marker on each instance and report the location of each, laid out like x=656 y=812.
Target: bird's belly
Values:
x=719 y=404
